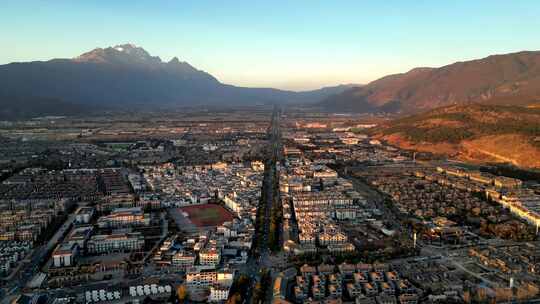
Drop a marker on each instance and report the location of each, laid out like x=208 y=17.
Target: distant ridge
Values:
x=127 y=75
x=474 y=132
x=512 y=79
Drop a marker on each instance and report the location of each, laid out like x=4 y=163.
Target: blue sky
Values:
x=294 y=44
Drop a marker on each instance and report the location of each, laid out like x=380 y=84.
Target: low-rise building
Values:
x=117 y=242
x=218 y=293
x=210 y=257
x=183 y=260
x=65 y=254
x=84 y=215
x=124 y=217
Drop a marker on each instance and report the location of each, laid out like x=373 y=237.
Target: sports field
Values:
x=207 y=215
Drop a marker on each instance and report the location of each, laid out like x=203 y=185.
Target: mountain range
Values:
x=511 y=79
x=125 y=75
x=128 y=76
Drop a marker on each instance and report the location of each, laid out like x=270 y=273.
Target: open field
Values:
x=207 y=215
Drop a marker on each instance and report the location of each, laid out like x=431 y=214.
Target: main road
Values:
x=255 y=265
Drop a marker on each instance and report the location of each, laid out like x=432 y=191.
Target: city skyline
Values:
x=298 y=46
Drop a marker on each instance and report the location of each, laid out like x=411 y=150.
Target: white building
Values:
x=79 y=235
x=64 y=255
x=218 y=293
x=232 y=202
x=345 y=213
x=183 y=260
x=83 y=215
x=200 y=278
x=210 y=257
